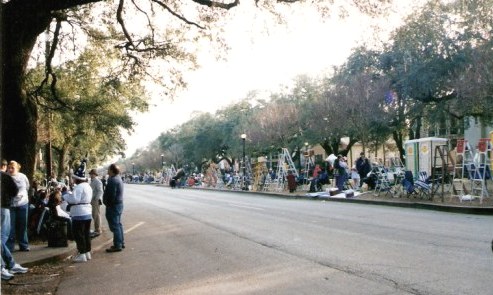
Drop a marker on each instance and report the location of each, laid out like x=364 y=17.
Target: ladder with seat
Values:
x=396 y=176
x=382 y=179
x=397 y=166
x=463 y=158
x=480 y=170
x=284 y=164
x=308 y=165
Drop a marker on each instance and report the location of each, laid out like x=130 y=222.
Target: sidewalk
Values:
x=40 y=253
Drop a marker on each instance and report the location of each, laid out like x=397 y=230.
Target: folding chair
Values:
x=408 y=184
x=424 y=185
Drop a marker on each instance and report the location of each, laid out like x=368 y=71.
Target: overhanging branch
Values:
x=218 y=4
x=166 y=7
x=48 y=68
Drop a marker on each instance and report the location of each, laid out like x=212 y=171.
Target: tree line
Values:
x=437 y=66
x=436 y=69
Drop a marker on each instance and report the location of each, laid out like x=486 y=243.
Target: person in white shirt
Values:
x=79 y=203
x=19 y=210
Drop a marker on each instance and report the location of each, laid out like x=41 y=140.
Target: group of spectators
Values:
x=338 y=168
x=77 y=205
x=344 y=176
x=358 y=173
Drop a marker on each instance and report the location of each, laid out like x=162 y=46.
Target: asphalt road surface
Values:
x=187 y=241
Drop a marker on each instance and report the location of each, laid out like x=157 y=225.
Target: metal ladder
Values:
x=284 y=164
x=464 y=156
x=308 y=163
x=479 y=171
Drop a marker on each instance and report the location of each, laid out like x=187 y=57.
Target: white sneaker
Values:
x=80 y=258
x=18 y=269
x=6 y=275
x=88 y=256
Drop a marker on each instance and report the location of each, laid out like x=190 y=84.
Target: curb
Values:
x=414 y=205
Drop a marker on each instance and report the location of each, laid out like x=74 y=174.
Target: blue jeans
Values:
x=340 y=180
x=114 y=216
x=7 y=259
x=18 y=227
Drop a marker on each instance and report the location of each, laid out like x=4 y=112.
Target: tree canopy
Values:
x=439 y=61
x=436 y=68
x=156 y=41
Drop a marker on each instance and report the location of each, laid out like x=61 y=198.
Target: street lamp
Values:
x=133 y=168
x=245 y=188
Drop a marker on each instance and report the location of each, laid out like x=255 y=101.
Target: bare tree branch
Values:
x=49 y=70
x=149 y=23
x=177 y=15
x=120 y=20
x=217 y=4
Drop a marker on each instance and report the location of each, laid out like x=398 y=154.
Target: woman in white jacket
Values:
x=19 y=209
x=81 y=213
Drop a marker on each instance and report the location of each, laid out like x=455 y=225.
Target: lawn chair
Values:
x=424 y=185
x=408 y=184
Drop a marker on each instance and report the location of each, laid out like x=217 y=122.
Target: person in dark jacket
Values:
x=113 y=200
x=364 y=167
x=291 y=181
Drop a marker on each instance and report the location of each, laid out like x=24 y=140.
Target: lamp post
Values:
x=133 y=168
x=243 y=137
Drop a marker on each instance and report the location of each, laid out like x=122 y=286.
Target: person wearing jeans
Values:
x=9 y=266
x=8 y=190
x=19 y=209
x=113 y=200
x=113 y=216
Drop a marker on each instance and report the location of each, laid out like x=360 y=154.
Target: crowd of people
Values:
x=78 y=205
x=344 y=175
x=338 y=169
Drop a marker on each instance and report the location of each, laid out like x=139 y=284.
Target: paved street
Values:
x=205 y=242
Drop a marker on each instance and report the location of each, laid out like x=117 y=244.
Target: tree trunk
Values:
x=62 y=159
x=399 y=141
x=21 y=25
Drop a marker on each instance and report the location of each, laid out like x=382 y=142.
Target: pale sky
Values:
x=257 y=62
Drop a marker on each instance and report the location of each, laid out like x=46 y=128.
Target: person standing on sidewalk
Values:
x=97 y=194
x=113 y=200
x=19 y=209
x=8 y=190
x=363 y=167
x=81 y=213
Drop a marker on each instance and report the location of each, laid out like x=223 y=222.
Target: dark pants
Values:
x=81 y=230
x=362 y=176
